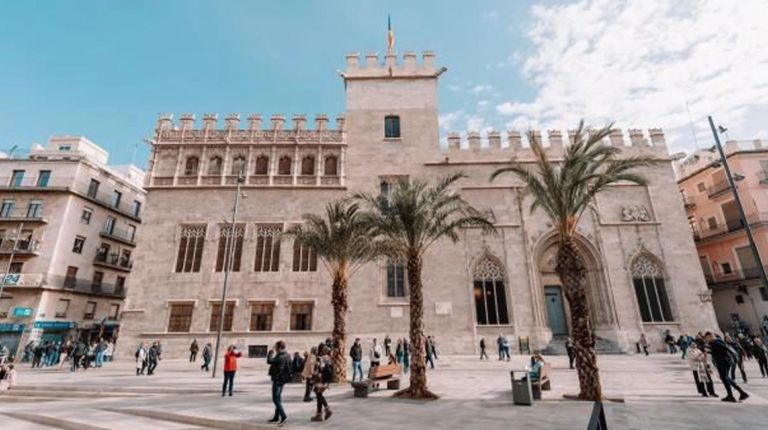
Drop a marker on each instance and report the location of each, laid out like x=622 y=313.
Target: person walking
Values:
x=670 y=341
x=500 y=346
x=570 y=350
x=697 y=360
x=310 y=359
x=321 y=379
x=193 y=351
x=230 y=368
x=356 y=354
x=375 y=354
x=482 y=349
x=643 y=342
x=740 y=354
x=152 y=357
x=399 y=351
x=428 y=352
x=724 y=358
x=433 y=347
x=280 y=373
x=207 y=355
x=505 y=347
x=760 y=352
x=387 y=345
x=109 y=351
x=141 y=360
x=406 y=356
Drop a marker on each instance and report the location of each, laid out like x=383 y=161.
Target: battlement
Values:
x=391 y=66
x=632 y=141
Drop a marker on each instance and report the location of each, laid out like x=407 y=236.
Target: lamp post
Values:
x=742 y=215
x=227 y=268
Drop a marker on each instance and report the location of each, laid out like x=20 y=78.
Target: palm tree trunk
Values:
x=339 y=300
x=418 y=387
x=573 y=275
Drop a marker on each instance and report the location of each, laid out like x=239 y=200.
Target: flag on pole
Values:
x=390 y=36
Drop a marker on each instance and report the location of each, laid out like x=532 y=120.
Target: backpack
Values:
x=328 y=373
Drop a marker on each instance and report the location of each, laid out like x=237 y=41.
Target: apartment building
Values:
x=68 y=225
x=729 y=266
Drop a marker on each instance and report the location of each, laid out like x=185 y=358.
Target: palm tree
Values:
x=406 y=221
x=563 y=190
x=342 y=243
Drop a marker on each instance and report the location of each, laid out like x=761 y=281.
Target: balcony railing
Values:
x=121 y=235
x=21 y=247
x=36 y=280
x=717 y=189
x=113 y=261
x=735 y=276
x=757 y=218
x=23 y=215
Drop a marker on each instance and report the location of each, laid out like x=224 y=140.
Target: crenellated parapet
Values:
x=210 y=129
x=390 y=65
x=492 y=144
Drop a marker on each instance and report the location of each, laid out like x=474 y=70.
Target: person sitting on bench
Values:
x=537 y=362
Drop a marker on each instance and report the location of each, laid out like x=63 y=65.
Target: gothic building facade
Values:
x=643 y=271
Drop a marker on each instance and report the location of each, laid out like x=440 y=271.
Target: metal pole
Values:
x=744 y=220
x=227 y=268
x=10 y=259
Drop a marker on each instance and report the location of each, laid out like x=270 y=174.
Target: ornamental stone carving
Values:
x=645 y=267
x=488 y=269
x=635 y=213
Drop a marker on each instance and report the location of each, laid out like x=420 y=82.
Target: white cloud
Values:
x=638 y=62
x=447 y=120
x=479 y=89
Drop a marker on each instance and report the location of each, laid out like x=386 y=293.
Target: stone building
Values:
x=67 y=231
x=730 y=268
x=643 y=271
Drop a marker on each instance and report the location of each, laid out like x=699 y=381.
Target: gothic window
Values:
x=331 y=167
x=190 y=168
x=190 y=251
x=214 y=166
x=238 y=165
x=284 y=165
x=262 y=165
x=490 y=295
x=308 y=166
x=267 y=248
x=648 y=280
x=230 y=244
x=304 y=258
x=395 y=278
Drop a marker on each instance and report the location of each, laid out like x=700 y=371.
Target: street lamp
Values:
x=731 y=183
x=227 y=268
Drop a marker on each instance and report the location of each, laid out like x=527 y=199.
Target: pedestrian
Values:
x=66 y=352
x=375 y=354
x=570 y=350
x=207 y=354
x=482 y=349
x=297 y=366
x=109 y=351
x=193 y=351
x=322 y=377
x=406 y=355
x=310 y=359
x=8 y=379
x=230 y=368
x=724 y=358
x=399 y=351
x=760 y=352
x=141 y=359
x=765 y=325
x=697 y=359
x=428 y=352
x=387 y=345
x=643 y=342
x=505 y=347
x=433 y=347
x=356 y=354
x=500 y=346
x=280 y=373
x=740 y=354
x=670 y=341
x=152 y=358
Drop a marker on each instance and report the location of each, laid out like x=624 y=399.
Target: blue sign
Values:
x=55 y=325
x=9 y=327
x=22 y=312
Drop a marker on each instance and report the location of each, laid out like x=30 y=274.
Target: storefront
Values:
x=55 y=331
x=10 y=335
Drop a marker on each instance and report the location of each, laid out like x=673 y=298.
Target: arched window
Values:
x=648 y=279
x=214 y=166
x=331 y=167
x=395 y=278
x=262 y=165
x=308 y=166
x=284 y=165
x=238 y=165
x=490 y=296
x=190 y=168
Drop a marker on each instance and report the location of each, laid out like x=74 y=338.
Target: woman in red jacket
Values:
x=230 y=367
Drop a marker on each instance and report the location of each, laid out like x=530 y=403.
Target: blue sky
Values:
x=106 y=69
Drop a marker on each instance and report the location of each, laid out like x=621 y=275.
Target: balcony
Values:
x=688 y=203
x=113 y=261
x=104 y=199
x=86 y=286
x=718 y=189
x=19 y=248
x=23 y=215
x=724 y=280
x=754 y=220
x=125 y=237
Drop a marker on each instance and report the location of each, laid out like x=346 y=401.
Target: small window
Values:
x=90 y=311
x=229 y=312
x=284 y=165
x=120 y=283
x=395 y=279
x=214 y=166
x=85 y=216
x=136 y=210
x=301 y=316
x=392 y=126
x=131 y=232
x=93 y=188
x=304 y=258
x=65 y=148
x=308 y=166
x=98 y=277
x=739 y=299
x=15 y=267
x=726 y=267
x=61 y=308
x=114 y=311
x=701 y=187
x=42 y=178
x=180 y=317
x=77 y=248
x=35 y=209
x=712 y=223
x=17 y=179
x=109 y=225
x=116 y=197
x=331 y=167
x=261 y=316
x=6 y=210
x=238 y=165
x=190 y=167
x=70 y=279
x=262 y=165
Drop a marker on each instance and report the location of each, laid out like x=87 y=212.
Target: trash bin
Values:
x=521 y=388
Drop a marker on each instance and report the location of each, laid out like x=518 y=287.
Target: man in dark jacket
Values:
x=152 y=357
x=280 y=373
x=207 y=354
x=356 y=354
x=723 y=358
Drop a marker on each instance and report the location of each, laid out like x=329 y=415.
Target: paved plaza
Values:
x=657 y=391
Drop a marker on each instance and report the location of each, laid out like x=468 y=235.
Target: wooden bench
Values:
x=543 y=383
x=389 y=373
